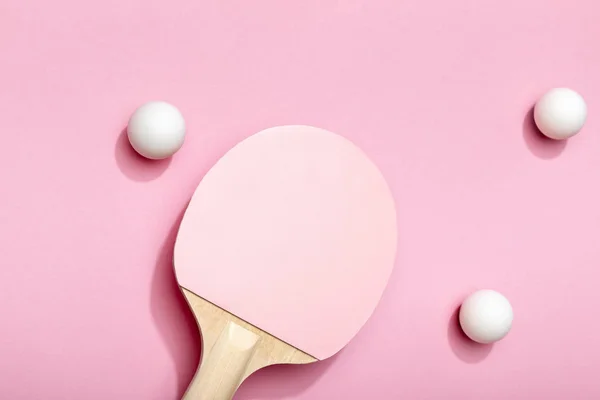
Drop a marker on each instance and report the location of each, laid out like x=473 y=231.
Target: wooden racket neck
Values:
x=232 y=350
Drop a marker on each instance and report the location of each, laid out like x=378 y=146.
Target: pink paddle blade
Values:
x=293 y=231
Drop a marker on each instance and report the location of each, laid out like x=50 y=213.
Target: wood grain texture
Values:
x=232 y=350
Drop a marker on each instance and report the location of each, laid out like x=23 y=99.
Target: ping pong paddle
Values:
x=283 y=253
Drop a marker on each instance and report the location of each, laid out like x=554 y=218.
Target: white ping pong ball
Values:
x=156 y=130
x=560 y=113
x=486 y=316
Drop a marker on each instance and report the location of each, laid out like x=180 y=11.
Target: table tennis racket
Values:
x=283 y=253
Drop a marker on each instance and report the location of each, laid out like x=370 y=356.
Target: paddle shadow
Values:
x=282 y=381
x=172 y=316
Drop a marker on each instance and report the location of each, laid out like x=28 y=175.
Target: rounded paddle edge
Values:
x=294 y=231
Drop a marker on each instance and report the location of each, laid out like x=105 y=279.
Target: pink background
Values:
x=438 y=93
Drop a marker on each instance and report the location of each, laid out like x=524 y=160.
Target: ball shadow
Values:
x=172 y=316
x=464 y=348
x=538 y=144
x=133 y=165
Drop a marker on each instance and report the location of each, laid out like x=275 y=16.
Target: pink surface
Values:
x=293 y=231
x=437 y=93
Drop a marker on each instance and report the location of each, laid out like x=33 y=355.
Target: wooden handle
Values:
x=232 y=349
x=223 y=367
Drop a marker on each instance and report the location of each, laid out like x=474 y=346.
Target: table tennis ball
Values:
x=486 y=316
x=560 y=113
x=156 y=130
